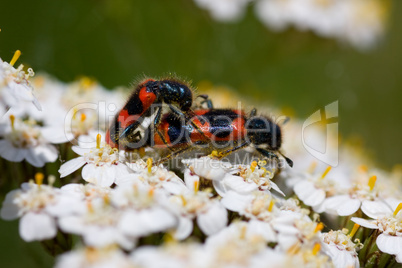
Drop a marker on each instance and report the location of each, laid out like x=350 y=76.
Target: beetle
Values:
x=144 y=109
x=227 y=130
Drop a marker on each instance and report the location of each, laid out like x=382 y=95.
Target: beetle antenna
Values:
x=288 y=160
x=287 y=119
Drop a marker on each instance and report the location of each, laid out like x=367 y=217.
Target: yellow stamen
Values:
x=106 y=199
x=149 y=165
x=12 y=119
x=214 y=154
x=98 y=141
x=183 y=200
x=294 y=249
x=319 y=227
x=196 y=186
x=135 y=188
x=51 y=179
x=354 y=230
x=262 y=163
x=398 y=208
x=271 y=205
x=326 y=172
x=316 y=248
x=168 y=238
x=74 y=113
x=363 y=169
x=151 y=192
x=243 y=232
x=83 y=117
x=39 y=178
x=372 y=181
x=17 y=54
x=253 y=165
x=90 y=207
x=87 y=82
x=265 y=171
x=312 y=167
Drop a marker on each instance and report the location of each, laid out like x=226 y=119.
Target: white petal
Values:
x=389 y=244
x=285 y=241
x=131 y=225
x=99 y=175
x=376 y=209
x=399 y=258
x=37 y=226
x=208 y=168
x=158 y=219
x=190 y=179
x=235 y=202
x=71 y=224
x=44 y=153
x=81 y=151
x=276 y=188
x=175 y=187
x=309 y=194
x=71 y=166
x=342 y=205
x=11 y=153
x=184 y=229
x=55 y=135
x=264 y=229
x=67 y=204
x=34 y=159
x=364 y=223
x=238 y=184
x=348 y=208
x=10 y=210
x=220 y=187
x=341 y=258
x=213 y=220
x=97 y=236
x=121 y=170
x=129 y=179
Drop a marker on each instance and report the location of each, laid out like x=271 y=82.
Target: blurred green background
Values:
x=120 y=40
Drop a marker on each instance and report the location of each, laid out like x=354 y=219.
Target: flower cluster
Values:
x=357 y=22
x=201 y=212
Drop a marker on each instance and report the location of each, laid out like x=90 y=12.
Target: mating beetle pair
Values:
x=159 y=114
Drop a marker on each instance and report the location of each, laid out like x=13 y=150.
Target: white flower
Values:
x=236 y=245
x=313 y=190
x=224 y=10
x=358 y=194
x=14 y=84
x=247 y=179
x=296 y=230
x=156 y=176
x=144 y=209
x=86 y=192
x=27 y=140
x=98 y=225
x=239 y=178
x=388 y=221
x=208 y=167
x=258 y=208
x=358 y=22
x=102 y=164
x=94 y=258
x=210 y=215
x=172 y=255
x=37 y=205
x=341 y=249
